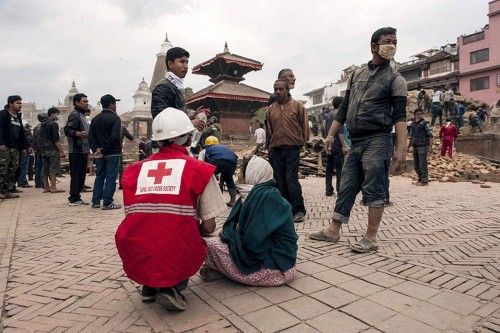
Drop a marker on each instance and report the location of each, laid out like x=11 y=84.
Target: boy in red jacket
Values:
x=165 y=197
x=448 y=134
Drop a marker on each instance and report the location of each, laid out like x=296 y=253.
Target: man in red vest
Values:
x=165 y=197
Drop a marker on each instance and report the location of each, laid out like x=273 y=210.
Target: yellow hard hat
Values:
x=211 y=140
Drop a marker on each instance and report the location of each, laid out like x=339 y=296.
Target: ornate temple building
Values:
x=232 y=101
x=141 y=113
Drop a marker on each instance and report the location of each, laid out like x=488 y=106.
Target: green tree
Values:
x=259 y=115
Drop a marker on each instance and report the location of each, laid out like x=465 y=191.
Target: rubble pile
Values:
x=470 y=104
x=461 y=167
x=312 y=158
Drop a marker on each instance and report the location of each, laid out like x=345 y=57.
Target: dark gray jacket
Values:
x=373 y=104
x=77 y=123
x=165 y=94
x=420 y=133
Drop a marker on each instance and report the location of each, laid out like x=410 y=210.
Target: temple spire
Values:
x=226 y=49
x=166 y=37
x=73 y=85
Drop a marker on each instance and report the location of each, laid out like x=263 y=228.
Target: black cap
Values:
x=176 y=53
x=14 y=98
x=108 y=99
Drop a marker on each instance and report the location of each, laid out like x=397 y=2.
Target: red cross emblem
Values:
x=159 y=173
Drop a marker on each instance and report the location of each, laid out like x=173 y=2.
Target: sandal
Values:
x=208 y=274
x=364 y=245
x=171 y=299
x=320 y=236
x=56 y=191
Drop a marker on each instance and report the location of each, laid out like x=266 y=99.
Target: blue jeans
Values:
x=107 y=169
x=366 y=169
x=23 y=168
x=38 y=170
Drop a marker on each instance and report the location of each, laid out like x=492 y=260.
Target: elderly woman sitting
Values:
x=258 y=243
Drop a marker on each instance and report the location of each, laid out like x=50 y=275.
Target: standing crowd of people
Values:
x=99 y=140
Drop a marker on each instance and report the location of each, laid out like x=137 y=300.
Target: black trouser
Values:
x=334 y=161
x=286 y=172
x=120 y=172
x=226 y=169
x=437 y=111
x=420 y=162
x=77 y=171
x=31 y=166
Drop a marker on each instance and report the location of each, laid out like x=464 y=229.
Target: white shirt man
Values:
x=436 y=96
x=260 y=135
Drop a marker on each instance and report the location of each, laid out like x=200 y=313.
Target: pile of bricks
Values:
x=461 y=167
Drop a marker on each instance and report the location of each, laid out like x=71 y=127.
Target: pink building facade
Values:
x=479 y=63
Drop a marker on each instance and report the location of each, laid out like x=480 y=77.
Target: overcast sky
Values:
x=107 y=46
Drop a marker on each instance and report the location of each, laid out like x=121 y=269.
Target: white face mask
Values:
x=387 y=51
x=56 y=118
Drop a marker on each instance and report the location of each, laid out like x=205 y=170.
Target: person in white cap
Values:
x=171 y=200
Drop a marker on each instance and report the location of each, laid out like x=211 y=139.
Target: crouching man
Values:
x=159 y=241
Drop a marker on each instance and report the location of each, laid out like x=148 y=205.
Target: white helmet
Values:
x=171 y=123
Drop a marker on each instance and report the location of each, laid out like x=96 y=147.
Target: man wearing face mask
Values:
x=374 y=102
x=51 y=150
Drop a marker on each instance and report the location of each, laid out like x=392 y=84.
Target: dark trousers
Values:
x=120 y=172
x=31 y=165
x=285 y=163
x=77 y=172
x=437 y=111
x=23 y=168
x=107 y=169
x=420 y=162
x=38 y=170
x=226 y=169
x=334 y=162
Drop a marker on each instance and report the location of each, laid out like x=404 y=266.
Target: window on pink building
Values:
x=479 y=56
x=498 y=80
x=480 y=83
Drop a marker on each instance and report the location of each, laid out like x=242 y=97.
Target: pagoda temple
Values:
x=232 y=101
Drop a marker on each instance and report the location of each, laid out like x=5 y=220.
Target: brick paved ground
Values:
x=437 y=270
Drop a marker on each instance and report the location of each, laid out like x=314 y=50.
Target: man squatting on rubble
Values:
x=159 y=241
x=375 y=100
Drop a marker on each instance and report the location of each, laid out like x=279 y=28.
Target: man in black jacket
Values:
x=38 y=157
x=51 y=150
x=76 y=130
x=421 y=141
x=169 y=92
x=12 y=141
x=105 y=142
x=374 y=102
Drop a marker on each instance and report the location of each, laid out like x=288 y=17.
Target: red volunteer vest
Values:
x=159 y=241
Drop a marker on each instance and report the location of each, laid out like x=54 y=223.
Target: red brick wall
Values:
x=235 y=125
